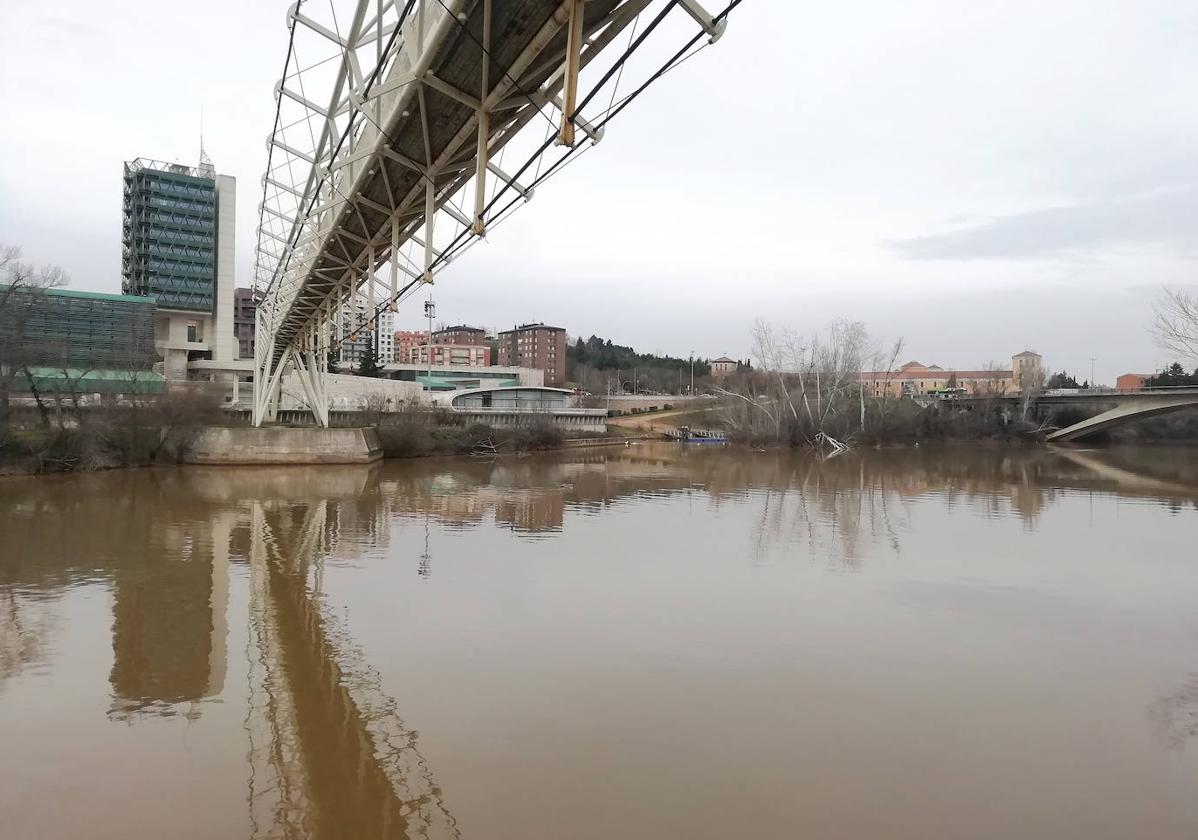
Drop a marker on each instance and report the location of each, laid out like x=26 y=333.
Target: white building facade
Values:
x=357 y=332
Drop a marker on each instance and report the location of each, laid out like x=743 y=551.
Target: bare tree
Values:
x=1176 y=322
x=1031 y=386
x=376 y=407
x=775 y=355
x=884 y=408
x=811 y=390
x=22 y=291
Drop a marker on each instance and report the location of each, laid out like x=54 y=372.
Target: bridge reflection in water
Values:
x=329 y=754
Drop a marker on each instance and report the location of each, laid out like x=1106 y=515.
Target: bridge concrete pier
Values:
x=267 y=445
x=1127 y=408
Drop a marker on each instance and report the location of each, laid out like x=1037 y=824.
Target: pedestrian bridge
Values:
x=405 y=131
x=1125 y=407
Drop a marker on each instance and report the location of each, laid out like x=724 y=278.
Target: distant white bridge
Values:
x=406 y=129
x=1124 y=407
x=1118 y=407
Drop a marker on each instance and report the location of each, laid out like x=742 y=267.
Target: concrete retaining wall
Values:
x=284 y=445
x=350 y=393
x=641 y=402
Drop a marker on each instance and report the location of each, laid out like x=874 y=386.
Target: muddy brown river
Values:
x=654 y=641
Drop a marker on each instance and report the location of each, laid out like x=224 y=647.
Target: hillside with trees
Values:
x=595 y=362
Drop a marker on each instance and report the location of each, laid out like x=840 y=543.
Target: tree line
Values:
x=1173 y=376
x=598 y=364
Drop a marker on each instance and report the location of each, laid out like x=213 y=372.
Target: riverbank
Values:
x=420 y=434
x=66 y=451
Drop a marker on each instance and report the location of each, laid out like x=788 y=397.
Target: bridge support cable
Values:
x=392 y=120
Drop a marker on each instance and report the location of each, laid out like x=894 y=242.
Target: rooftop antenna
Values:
x=206 y=168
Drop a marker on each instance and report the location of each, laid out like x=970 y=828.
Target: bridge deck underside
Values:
x=392 y=184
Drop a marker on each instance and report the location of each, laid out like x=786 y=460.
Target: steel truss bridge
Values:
x=405 y=130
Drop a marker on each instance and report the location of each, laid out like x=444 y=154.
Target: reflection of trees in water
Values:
x=1175 y=717
x=831 y=505
x=801 y=506
x=26 y=626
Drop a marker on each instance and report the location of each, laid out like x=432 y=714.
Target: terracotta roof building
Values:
x=1131 y=381
x=722 y=366
x=914 y=378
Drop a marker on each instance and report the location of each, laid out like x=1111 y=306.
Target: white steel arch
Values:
x=406 y=129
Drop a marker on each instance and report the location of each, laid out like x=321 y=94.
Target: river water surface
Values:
x=645 y=642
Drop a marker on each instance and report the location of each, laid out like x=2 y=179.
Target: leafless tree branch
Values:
x=1175 y=322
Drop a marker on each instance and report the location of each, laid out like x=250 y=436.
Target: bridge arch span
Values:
x=1128 y=408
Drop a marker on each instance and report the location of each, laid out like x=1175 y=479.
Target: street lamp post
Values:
x=692 y=393
x=430 y=309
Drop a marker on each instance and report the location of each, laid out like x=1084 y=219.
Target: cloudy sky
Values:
x=975 y=178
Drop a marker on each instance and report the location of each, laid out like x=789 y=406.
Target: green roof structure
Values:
x=82 y=381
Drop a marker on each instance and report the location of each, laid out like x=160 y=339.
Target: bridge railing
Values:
x=1093 y=392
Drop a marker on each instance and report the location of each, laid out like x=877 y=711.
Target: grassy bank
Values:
x=413 y=435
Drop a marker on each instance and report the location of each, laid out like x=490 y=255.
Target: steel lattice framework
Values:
x=406 y=129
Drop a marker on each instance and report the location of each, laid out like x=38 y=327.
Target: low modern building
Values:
x=178 y=239
x=536 y=346
x=84 y=342
x=457 y=378
x=915 y=379
x=524 y=406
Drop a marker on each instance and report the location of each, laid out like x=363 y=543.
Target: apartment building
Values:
x=536 y=346
x=462 y=335
x=406 y=343
x=358 y=329
x=244 y=322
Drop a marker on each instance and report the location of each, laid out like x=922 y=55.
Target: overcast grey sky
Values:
x=977 y=178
